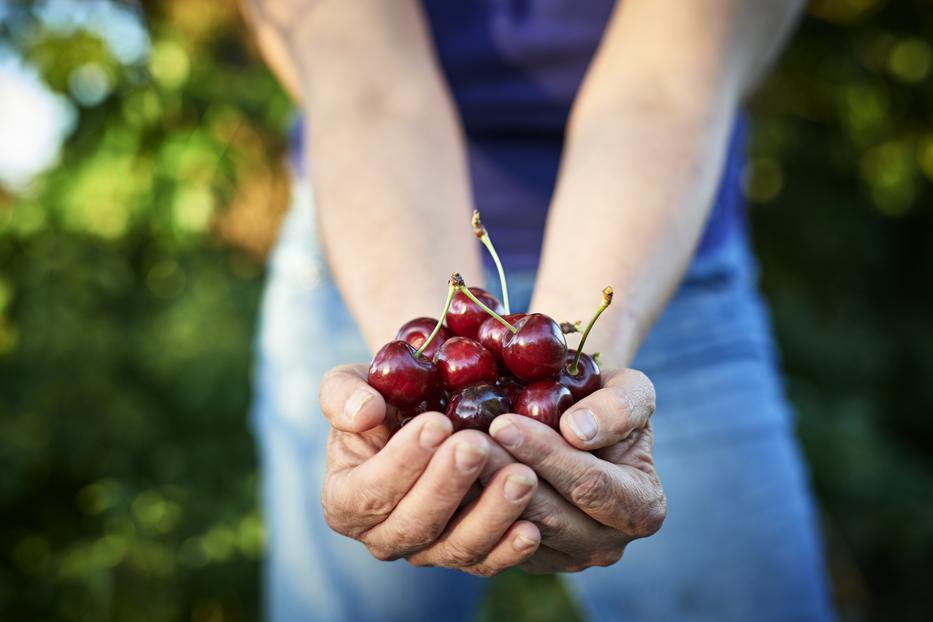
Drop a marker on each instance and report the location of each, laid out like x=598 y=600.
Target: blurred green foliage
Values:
x=130 y=276
x=842 y=161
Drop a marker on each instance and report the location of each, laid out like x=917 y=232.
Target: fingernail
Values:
x=522 y=543
x=356 y=402
x=507 y=434
x=517 y=487
x=468 y=456
x=583 y=424
x=432 y=435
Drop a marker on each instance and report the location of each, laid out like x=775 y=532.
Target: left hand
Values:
x=590 y=505
x=413 y=494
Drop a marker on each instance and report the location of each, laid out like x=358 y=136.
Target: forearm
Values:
x=386 y=155
x=393 y=203
x=645 y=148
x=628 y=215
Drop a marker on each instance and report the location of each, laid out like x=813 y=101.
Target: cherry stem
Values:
x=466 y=292
x=483 y=236
x=454 y=284
x=607 y=300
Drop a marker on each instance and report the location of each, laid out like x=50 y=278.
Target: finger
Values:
x=361 y=497
x=602 y=490
x=422 y=514
x=563 y=527
x=518 y=544
x=634 y=451
x=474 y=532
x=348 y=402
x=549 y=561
x=609 y=415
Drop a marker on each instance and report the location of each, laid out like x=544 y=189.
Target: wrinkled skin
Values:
x=586 y=492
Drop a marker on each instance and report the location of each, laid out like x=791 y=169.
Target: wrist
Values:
x=615 y=337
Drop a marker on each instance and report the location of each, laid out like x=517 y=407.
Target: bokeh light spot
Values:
x=889 y=170
x=154 y=513
x=866 y=105
x=98 y=497
x=910 y=60
x=192 y=209
x=763 y=180
x=89 y=84
x=219 y=543
x=169 y=64
x=108 y=551
x=33 y=123
x=251 y=537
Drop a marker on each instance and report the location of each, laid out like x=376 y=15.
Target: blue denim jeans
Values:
x=740 y=541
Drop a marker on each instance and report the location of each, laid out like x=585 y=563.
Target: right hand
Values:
x=401 y=496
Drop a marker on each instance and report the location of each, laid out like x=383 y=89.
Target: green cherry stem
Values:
x=466 y=292
x=607 y=300
x=456 y=281
x=483 y=236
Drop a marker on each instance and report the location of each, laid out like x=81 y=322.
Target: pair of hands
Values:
x=523 y=495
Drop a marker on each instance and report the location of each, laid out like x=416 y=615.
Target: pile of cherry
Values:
x=479 y=361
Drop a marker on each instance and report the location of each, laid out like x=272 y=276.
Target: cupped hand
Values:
x=600 y=488
x=413 y=494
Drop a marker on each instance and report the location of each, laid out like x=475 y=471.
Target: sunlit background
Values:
x=141 y=183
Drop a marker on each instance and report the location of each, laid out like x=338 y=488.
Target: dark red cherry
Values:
x=437 y=402
x=474 y=407
x=416 y=332
x=461 y=362
x=396 y=418
x=537 y=350
x=585 y=381
x=401 y=378
x=465 y=316
x=544 y=401
x=492 y=334
x=510 y=388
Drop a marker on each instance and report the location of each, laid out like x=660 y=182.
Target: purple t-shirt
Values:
x=514 y=67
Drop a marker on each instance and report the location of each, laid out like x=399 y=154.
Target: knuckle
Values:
x=345 y=370
x=412 y=537
x=607 y=556
x=473 y=437
x=330 y=374
x=461 y=556
x=332 y=516
x=382 y=553
x=647 y=519
x=484 y=570
x=592 y=490
x=653 y=517
x=371 y=504
x=327 y=385
x=645 y=389
x=548 y=521
x=421 y=561
x=332 y=520
x=620 y=405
